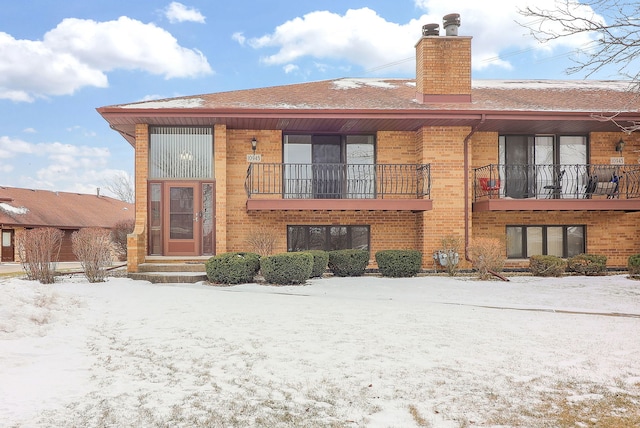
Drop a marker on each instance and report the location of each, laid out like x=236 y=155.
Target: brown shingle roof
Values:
x=32 y=208
x=368 y=105
x=399 y=94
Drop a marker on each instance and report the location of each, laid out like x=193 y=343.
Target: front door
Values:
x=181 y=218
x=7 y=246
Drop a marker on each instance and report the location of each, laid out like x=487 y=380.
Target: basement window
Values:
x=303 y=238
x=561 y=241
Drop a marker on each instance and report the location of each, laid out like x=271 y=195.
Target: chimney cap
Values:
x=431 y=30
x=450 y=23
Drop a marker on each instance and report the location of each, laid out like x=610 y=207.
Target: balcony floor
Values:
x=504 y=204
x=339 y=205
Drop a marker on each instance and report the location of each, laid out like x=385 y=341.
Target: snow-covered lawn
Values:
x=348 y=352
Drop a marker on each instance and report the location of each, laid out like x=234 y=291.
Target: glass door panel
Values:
x=208 y=223
x=328 y=171
x=181 y=213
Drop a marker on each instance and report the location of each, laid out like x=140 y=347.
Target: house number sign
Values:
x=254 y=158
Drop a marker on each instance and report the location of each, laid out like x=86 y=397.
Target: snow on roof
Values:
x=169 y=103
x=612 y=85
x=13 y=210
x=351 y=83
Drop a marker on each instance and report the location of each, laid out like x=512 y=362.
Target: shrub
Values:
x=262 y=241
x=232 y=268
x=450 y=245
x=587 y=264
x=399 y=263
x=547 y=265
x=119 y=237
x=348 y=262
x=320 y=262
x=92 y=247
x=38 y=250
x=287 y=268
x=633 y=264
x=488 y=256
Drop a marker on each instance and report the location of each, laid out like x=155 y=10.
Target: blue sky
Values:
x=61 y=60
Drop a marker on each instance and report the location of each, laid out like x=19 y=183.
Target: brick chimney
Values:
x=443 y=64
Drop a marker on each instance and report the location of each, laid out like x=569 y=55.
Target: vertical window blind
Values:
x=181 y=152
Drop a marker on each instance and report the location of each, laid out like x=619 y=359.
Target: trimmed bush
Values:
x=547 y=265
x=587 y=264
x=287 y=268
x=233 y=268
x=348 y=262
x=399 y=263
x=633 y=264
x=320 y=262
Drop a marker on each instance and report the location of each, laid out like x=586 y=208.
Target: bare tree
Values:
x=121 y=186
x=614 y=23
x=39 y=249
x=92 y=247
x=615 y=28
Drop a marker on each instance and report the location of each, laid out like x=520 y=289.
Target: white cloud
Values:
x=29 y=131
x=126 y=44
x=239 y=37
x=177 y=12
x=79 y=52
x=362 y=37
x=54 y=166
x=290 y=68
x=10 y=147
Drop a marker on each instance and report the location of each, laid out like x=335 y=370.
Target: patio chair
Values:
x=489 y=185
x=554 y=190
x=605 y=183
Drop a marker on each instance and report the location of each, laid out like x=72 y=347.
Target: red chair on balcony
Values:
x=490 y=186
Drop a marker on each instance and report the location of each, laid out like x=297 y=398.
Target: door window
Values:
x=181 y=213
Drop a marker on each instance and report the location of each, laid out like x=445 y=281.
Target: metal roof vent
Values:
x=431 y=30
x=450 y=23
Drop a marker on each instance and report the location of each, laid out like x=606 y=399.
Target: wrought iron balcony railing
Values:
x=575 y=181
x=338 y=181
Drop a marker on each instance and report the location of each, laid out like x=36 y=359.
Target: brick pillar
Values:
x=443 y=148
x=220 y=174
x=137 y=240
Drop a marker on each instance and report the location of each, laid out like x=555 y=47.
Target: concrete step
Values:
x=169 y=277
x=172 y=267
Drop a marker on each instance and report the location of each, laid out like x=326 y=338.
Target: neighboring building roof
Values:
x=34 y=208
x=364 y=105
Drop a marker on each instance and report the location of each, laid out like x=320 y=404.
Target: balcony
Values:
x=327 y=186
x=556 y=187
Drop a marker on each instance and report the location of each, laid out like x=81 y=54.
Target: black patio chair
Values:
x=554 y=190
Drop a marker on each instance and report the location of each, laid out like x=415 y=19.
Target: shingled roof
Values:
x=367 y=105
x=399 y=94
x=64 y=210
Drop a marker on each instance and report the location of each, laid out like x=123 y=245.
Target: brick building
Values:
x=389 y=164
x=23 y=209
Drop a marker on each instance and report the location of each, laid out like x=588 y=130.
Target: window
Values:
x=329 y=166
x=180 y=152
x=562 y=241
x=532 y=162
x=302 y=238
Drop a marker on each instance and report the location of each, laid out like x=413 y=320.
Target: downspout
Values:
x=466 y=194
